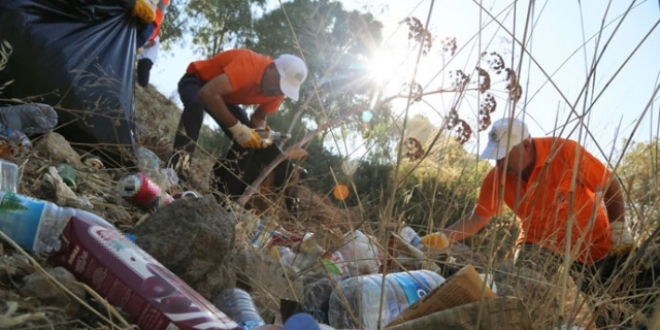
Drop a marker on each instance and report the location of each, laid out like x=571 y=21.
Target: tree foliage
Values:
x=334 y=44
x=639 y=174
x=214 y=25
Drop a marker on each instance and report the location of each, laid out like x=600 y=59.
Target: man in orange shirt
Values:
x=561 y=194
x=222 y=83
x=148 y=52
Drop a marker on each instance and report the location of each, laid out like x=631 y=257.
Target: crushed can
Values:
x=142 y=192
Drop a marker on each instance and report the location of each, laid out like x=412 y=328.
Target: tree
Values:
x=334 y=43
x=639 y=172
x=214 y=25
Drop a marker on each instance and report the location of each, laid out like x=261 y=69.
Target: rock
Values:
x=42 y=287
x=56 y=148
x=194 y=239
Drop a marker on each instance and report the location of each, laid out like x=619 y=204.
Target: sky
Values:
x=563 y=38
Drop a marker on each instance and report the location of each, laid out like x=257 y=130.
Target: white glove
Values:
x=621 y=237
x=247 y=137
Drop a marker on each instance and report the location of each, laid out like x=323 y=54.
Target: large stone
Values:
x=56 y=148
x=193 y=238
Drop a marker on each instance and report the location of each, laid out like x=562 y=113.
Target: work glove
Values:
x=265 y=134
x=622 y=241
x=248 y=138
x=437 y=240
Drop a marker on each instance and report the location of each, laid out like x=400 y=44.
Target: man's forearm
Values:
x=614 y=202
x=218 y=110
x=465 y=227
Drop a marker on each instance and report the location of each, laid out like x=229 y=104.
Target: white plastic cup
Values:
x=8 y=176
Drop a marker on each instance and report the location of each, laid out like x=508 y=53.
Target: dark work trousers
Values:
x=241 y=166
x=143 y=69
x=192 y=116
x=595 y=280
x=144 y=31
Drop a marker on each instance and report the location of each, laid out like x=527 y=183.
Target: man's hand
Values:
x=622 y=241
x=248 y=138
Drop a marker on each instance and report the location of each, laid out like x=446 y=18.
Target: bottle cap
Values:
x=301 y=321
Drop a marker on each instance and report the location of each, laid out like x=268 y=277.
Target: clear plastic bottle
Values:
x=8 y=176
x=287 y=257
x=33 y=118
x=363 y=297
x=148 y=162
x=410 y=235
x=360 y=255
x=272 y=136
x=36 y=225
x=239 y=306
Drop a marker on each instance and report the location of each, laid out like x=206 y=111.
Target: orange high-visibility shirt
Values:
x=161 y=8
x=245 y=70
x=543 y=203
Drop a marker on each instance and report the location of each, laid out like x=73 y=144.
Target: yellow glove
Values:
x=436 y=240
x=622 y=241
x=248 y=138
x=145 y=10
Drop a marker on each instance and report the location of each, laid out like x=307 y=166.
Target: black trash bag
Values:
x=77 y=56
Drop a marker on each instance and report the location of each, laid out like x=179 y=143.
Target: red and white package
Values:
x=131 y=279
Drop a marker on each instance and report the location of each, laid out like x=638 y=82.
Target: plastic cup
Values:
x=8 y=176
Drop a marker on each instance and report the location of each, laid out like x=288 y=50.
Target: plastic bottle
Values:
x=287 y=257
x=359 y=254
x=36 y=224
x=148 y=162
x=239 y=306
x=363 y=297
x=34 y=118
x=15 y=138
x=8 y=176
x=99 y=255
x=272 y=136
x=410 y=235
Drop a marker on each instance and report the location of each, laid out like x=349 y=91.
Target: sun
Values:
x=388 y=65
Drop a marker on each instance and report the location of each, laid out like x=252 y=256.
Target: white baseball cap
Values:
x=499 y=142
x=292 y=74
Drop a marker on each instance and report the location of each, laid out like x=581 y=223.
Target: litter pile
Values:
x=87 y=247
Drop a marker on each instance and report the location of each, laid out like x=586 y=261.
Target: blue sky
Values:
x=564 y=37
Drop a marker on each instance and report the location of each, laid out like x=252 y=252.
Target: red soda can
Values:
x=142 y=192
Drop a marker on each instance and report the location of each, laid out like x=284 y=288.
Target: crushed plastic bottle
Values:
x=239 y=306
x=360 y=296
x=360 y=254
x=35 y=118
x=15 y=138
